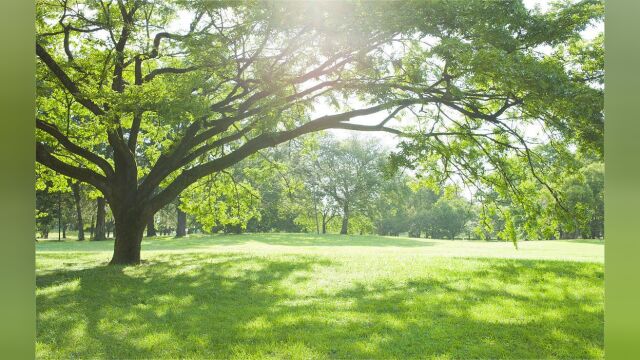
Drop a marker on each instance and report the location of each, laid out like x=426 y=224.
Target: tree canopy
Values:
x=144 y=100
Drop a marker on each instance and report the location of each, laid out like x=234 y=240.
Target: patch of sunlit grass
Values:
x=240 y=301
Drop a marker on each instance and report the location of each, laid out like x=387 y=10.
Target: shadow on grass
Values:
x=587 y=241
x=293 y=239
x=222 y=306
x=203 y=241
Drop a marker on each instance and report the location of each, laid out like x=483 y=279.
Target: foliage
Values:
x=220 y=199
x=145 y=100
x=572 y=206
x=447 y=218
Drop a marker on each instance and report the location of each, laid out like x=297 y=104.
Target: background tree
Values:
x=447 y=218
x=348 y=172
x=151 y=227
x=100 y=228
x=181 y=223
x=77 y=199
x=393 y=206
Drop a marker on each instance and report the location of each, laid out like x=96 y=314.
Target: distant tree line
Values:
x=349 y=186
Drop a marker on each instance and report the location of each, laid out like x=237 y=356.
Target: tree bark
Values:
x=325 y=221
x=99 y=232
x=151 y=227
x=181 y=226
x=130 y=218
x=315 y=213
x=91 y=228
x=75 y=187
x=345 y=220
x=129 y=227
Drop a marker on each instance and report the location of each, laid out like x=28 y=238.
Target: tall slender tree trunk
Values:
x=315 y=210
x=91 y=228
x=324 y=223
x=64 y=231
x=151 y=227
x=181 y=226
x=99 y=232
x=75 y=188
x=315 y=213
x=345 y=220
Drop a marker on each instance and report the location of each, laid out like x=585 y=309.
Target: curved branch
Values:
x=45 y=157
x=188 y=177
x=66 y=81
x=53 y=130
x=359 y=127
x=168 y=70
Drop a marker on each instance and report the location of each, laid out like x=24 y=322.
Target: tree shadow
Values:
x=493 y=317
x=586 y=241
x=277 y=239
x=190 y=303
x=287 y=239
x=236 y=305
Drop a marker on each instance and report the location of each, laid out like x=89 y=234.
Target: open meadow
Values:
x=311 y=296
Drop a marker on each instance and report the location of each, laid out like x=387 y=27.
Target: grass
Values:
x=307 y=296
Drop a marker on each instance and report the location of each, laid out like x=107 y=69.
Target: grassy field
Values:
x=309 y=296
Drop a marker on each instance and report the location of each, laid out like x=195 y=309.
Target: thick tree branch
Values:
x=360 y=127
x=45 y=157
x=265 y=140
x=53 y=130
x=168 y=70
x=135 y=129
x=66 y=81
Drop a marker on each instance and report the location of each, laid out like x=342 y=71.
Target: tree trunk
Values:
x=100 y=223
x=129 y=228
x=325 y=221
x=130 y=218
x=64 y=231
x=151 y=227
x=181 y=227
x=315 y=214
x=345 y=220
x=75 y=187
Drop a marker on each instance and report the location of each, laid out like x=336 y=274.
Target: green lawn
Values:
x=309 y=296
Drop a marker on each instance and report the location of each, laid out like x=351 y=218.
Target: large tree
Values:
x=346 y=173
x=167 y=94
